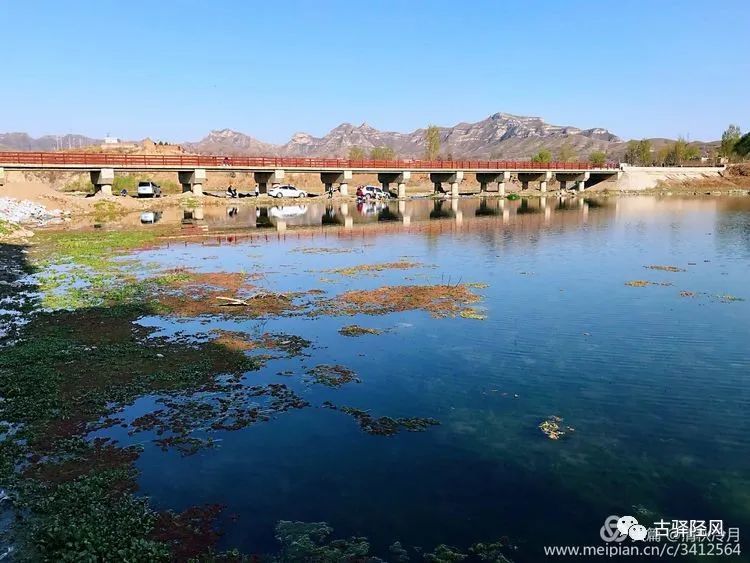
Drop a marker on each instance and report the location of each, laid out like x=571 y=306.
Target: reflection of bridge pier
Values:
x=405 y=217
x=348 y=219
x=547 y=210
x=458 y=215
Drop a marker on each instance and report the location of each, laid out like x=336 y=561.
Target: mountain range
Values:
x=501 y=135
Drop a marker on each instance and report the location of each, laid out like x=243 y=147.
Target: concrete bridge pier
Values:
x=192 y=180
x=453 y=178
x=103 y=180
x=541 y=177
x=265 y=177
x=485 y=178
x=341 y=178
x=578 y=179
x=400 y=178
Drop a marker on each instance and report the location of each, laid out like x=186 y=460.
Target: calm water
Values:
x=657 y=385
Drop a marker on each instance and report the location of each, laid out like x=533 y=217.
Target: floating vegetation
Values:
x=645 y=283
x=309 y=541
x=472 y=314
x=552 y=428
x=726 y=298
x=356 y=330
x=685 y=293
x=332 y=375
x=184 y=421
x=445 y=554
x=384 y=425
x=664 y=268
x=325 y=250
x=290 y=344
x=439 y=300
x=352 y=271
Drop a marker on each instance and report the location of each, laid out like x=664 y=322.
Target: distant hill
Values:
x=499 y=136
x=24 y=142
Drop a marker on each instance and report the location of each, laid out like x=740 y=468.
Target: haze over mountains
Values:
x=501 y=135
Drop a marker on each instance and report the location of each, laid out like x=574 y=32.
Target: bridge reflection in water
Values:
x=374 y=217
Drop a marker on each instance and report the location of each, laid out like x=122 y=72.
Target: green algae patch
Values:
x=440 y=301
x=356 y=330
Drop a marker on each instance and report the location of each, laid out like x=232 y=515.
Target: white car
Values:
x=286 y=191
x=148 y=189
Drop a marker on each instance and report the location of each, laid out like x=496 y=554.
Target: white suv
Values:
x=286 y=191
x=148 y=189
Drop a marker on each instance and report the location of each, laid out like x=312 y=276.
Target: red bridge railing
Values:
x=198 y=161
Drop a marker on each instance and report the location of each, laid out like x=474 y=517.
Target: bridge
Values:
x=192 y=170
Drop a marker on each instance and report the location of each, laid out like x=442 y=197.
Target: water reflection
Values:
x=467 y=212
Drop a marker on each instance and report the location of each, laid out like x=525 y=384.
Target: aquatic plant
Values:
x=384 y=425
x=445 y=554
x=332 y=375
x=664 y=268
x=352 y=271
x=308 y=541
x=439 y=300
x=356 y=330
x=552 y=427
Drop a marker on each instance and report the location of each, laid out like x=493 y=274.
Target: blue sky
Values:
x=175 y=70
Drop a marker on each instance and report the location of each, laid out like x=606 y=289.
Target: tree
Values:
x=644 y=152
x=598 y=158
x=742 y=147
x=566 y=153
x=432 y=142
x=542 y=156
x=356 y=153
x=382 y=153
x=678 y=152
x=729 y=140
x=638 y=153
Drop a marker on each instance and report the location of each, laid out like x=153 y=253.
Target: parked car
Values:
x=286 y=191
x=375 y=192
x=148 y=189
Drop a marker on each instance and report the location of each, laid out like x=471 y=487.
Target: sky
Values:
x=174 y=70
